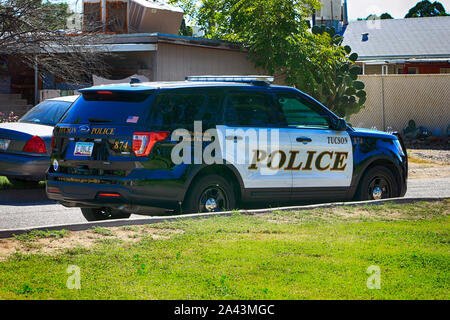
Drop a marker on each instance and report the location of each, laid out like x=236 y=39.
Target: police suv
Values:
x=211 y=144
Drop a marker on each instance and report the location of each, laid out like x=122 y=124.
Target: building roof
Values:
x=155 y=38
x=400 y=38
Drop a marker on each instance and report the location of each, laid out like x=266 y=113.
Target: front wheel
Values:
x=98 y=214
x=211 y=193
x=377 y=183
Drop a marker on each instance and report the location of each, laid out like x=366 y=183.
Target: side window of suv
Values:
x=177 y=109
x=250 y=109
x=299 y=112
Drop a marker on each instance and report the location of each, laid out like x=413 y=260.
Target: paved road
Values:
x=29 y=208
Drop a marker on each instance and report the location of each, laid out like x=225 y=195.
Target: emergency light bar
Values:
x=246 y=79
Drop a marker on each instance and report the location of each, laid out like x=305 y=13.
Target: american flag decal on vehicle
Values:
x=133 y=119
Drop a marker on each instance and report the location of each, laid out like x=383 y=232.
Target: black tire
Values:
x=98 y=214
x=210 y=187
x=377 y=177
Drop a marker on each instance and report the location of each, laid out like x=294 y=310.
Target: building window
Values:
x=412 y=70
x=445 y=70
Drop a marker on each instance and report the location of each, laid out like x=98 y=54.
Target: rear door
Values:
x=320 y=156
x=254 y=141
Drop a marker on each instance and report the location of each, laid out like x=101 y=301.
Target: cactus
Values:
x=337 y=85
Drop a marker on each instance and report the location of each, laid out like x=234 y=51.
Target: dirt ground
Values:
x=429 y=163
x=82 y=239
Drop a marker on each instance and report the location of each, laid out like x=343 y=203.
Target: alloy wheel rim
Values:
x=213 y=199
x=106 y=212
x=379 y=189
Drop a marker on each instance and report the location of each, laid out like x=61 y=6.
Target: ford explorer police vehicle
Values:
x=211 y=144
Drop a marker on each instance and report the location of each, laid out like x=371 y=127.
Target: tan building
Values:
x=146 y=42
x=169 y=57
x=142 y=37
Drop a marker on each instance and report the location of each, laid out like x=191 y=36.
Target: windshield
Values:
x=47 y=112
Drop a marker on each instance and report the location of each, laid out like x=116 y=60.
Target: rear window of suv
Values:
x=118 y=107
x=180 y=108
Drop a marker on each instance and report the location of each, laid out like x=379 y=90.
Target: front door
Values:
x=320 y=156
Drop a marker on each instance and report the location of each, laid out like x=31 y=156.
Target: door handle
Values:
x=304 y=140
x=235 y=138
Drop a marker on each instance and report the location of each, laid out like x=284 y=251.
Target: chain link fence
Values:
x=394 y=100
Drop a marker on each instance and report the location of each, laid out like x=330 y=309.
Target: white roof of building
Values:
x=158 y=5
x=400 y=38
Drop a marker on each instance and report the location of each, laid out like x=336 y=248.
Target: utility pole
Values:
x=36 y=82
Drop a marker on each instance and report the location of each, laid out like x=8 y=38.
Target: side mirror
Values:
x=340 y=125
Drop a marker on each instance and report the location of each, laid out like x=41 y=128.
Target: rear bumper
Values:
x=101 y=192
x=23 y=166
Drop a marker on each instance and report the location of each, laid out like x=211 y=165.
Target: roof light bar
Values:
x=246 y=79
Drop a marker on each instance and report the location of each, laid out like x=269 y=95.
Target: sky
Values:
x=357 y=8
x=396 y=8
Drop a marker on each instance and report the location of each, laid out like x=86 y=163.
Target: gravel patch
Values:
x=428 y=163
x=438 y=156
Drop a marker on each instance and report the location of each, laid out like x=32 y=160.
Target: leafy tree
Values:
x=278 y=39
x=185 y=30
x=386 y=16
x=375 y=17
x=371 y=17
x=426 y=9
x=56 y=14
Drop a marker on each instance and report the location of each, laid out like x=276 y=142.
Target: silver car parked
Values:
x=25 y=146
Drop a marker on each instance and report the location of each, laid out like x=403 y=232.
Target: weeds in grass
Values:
x=130 y=228
x=103 y=231
x=40 y=234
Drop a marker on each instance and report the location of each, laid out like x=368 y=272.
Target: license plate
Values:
x=4 y=143
x=83 y=149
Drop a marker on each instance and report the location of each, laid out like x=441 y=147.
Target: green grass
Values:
x=6 y=184
x=103 y=231
x=39 y=234
x=318 y=254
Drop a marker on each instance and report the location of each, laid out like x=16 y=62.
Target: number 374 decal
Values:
x=121 y=146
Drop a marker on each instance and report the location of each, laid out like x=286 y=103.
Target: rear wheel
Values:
x=211 y=193
x=377 y=183
x=98 y=214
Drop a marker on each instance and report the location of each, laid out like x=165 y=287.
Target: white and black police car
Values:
x=211 y=144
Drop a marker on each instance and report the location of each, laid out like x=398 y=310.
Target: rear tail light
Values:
x=143 y=142
x=111 y=195
x=53 y=190
x=35 y=145
x=52 y=144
